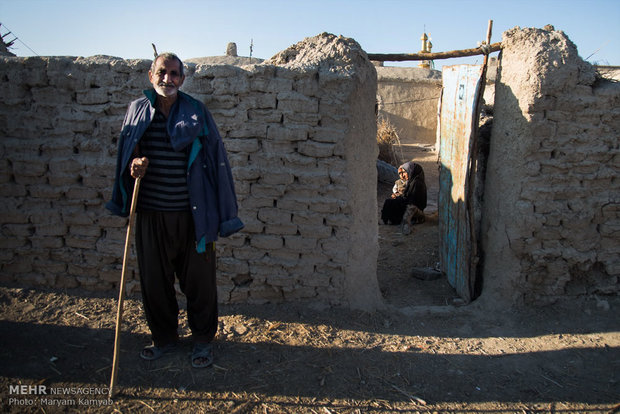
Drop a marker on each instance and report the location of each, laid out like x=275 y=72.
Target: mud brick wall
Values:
x=552 y=197
x=300 y=132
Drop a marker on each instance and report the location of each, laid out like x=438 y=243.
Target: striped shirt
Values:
x=164 y=186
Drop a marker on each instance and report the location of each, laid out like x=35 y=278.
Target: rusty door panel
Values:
x=457 y=116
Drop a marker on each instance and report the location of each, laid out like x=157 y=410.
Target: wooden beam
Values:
x=401 y=57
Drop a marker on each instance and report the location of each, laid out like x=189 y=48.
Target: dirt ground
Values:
x=422 y=353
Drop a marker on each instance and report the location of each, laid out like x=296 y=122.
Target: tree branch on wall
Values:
x=401 y=57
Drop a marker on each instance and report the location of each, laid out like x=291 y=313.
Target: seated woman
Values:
x=408 y=199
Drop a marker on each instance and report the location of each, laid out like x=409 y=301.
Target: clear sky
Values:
x=193 y=28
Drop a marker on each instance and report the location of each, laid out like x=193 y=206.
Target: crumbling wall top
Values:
x=548 y=59
x=325 y=52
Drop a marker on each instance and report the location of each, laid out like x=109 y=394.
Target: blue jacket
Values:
x=209 y=179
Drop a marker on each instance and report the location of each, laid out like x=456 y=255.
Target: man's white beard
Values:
x=166 y=91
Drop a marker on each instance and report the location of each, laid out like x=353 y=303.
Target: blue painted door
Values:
x=456 y=131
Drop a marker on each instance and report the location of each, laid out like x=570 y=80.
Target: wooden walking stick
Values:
x=121 y=294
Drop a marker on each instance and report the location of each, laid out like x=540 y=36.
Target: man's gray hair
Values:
x=167 y=56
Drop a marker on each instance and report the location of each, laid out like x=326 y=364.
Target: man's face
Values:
x=166 y=79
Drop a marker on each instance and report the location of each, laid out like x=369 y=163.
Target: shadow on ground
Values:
x=297 y=359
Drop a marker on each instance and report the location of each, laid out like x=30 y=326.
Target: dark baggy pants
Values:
x=393 y=210
x=166 y=247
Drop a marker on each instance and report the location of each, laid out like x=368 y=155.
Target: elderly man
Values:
x=186 y=199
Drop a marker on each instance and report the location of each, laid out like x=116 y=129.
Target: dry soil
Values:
x=421 y=353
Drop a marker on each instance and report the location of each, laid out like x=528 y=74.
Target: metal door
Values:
x=458 y=117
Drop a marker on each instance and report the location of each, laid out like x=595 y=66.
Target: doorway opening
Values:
x=407 y=265
x=410 y=269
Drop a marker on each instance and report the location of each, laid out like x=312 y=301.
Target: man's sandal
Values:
x=202 y=355
x=153 y=352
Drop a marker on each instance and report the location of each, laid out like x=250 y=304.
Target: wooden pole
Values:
x=121 y=294
x=489 y=32
x=472 y=167
x=401 y=57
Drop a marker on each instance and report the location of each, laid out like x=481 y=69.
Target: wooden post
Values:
x=473 y=166
x=489 y=32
